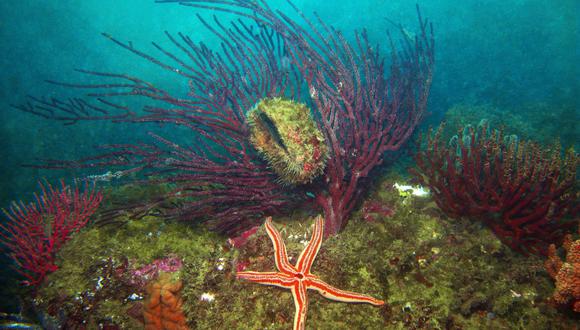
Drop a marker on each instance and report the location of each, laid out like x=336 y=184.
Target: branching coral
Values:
x=522 y=191
x=35 y=232
x=365 y=104
x=218 y=173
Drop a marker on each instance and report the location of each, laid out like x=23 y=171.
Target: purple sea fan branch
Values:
x=362 y=110
x=218 y=177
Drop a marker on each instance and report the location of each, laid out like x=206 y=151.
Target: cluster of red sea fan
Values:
x=35 y=232
x=525 y=193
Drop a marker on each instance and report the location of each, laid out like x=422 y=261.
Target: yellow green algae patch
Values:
x=94 y=268
x=432 y=272
x=442 y=273
x=286 y=135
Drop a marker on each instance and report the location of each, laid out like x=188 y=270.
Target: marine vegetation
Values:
x=35 y=232
x=298 y=279
x=525 y=193
x=364 y=105
x=431 y=271
x=286 y=135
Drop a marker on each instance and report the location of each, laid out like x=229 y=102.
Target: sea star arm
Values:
x=333 y=293
x=298 y=279
x=309 y=253
x=280 y=256
x=268 y=278
x=301 y=305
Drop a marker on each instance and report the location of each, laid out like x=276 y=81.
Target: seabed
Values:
x=433 y=273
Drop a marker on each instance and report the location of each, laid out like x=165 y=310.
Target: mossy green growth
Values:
x=433 y=273
x=286 y=135
x=97 y=262
x=436 y=272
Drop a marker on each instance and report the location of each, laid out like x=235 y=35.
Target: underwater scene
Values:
x=289 y=164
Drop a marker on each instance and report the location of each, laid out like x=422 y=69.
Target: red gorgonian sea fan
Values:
x=365 y=103
x=35 y=232
x=526 y=194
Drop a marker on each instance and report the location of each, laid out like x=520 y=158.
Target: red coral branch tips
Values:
x=365 y=103
x=35 y=232
x=525 y=194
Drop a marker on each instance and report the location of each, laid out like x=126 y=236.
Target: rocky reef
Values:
x=431 y=271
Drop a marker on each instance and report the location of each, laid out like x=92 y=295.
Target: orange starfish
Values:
x=298 y=278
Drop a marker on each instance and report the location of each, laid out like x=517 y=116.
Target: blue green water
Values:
x=494 y=52
x=503 y=53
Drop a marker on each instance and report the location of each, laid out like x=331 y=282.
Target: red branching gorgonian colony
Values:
x=364 y=103
x=35 y=232
x=524 y=193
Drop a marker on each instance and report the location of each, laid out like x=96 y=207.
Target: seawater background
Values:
x=500 y=52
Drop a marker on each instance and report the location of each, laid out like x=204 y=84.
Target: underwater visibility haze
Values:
x=291 y=164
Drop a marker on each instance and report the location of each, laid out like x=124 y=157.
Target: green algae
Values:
x=287 y=136
x=85 y=264
x=433 y=273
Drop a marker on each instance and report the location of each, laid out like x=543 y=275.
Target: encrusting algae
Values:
x=286 y=135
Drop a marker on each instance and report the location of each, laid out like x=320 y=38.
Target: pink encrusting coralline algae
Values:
x=371 y=209
x=242 y=239
x=141 y=276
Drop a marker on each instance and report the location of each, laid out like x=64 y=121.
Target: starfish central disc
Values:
x=298 y=278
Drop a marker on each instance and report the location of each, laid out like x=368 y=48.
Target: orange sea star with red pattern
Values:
x=298 y=278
